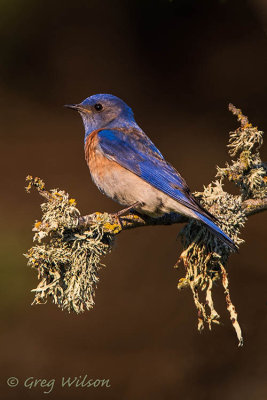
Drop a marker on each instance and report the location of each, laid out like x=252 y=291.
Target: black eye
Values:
x=98 y=107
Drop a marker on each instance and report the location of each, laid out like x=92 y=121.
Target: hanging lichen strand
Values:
x=205 y=257
x=69 y=247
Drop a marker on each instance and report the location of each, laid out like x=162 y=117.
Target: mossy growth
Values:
x=67 y=257
x=204 y=256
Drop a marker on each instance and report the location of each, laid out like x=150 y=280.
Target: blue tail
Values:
x=217 y=231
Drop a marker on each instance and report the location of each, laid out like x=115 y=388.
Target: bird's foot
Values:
x=125 y=210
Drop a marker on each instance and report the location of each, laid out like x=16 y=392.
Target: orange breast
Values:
x=99 y=165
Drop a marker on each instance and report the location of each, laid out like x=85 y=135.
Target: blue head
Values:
x=104 y=111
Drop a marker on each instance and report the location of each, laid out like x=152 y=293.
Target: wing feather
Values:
x=143 y=159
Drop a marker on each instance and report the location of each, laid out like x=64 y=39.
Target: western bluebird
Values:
x=126 y=166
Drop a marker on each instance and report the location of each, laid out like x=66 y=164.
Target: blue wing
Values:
x=140 y=156
x=134 y=151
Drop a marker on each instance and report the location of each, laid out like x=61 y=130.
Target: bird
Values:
x=126 y=166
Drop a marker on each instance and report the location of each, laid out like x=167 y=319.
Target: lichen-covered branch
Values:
x=254 y=206
x=69 y=247
x=134 y=220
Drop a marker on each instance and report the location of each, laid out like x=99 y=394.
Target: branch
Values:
x=254 y=206
x=136 y=220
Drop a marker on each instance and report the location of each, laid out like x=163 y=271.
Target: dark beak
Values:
x=73 y=106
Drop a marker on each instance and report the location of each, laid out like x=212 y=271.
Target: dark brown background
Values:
x=178 y=64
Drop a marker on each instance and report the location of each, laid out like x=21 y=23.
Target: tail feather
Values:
x=217 y=231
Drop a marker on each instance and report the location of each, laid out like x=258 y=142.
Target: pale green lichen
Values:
x=67 y=258
x=205 y=256
x=247 y=171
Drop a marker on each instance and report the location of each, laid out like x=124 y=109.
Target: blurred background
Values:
x=177 y=64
